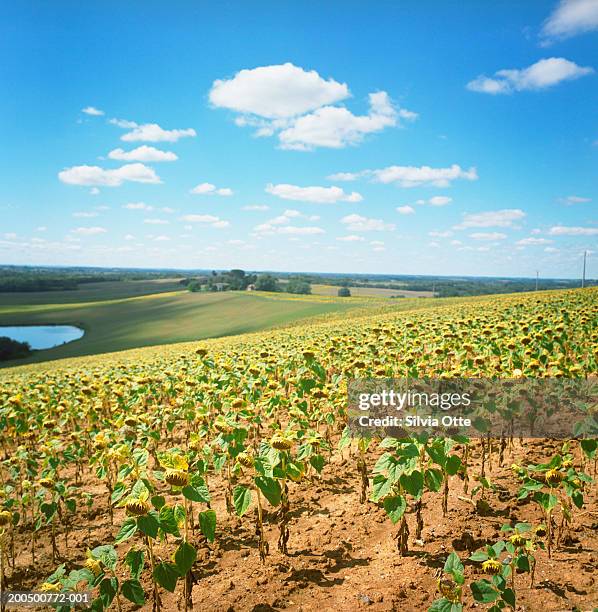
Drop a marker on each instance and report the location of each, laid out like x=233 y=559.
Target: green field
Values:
x=118 y=324
x=370 y=291
x=91 y=292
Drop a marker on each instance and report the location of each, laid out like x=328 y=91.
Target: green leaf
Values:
x=414 y=483
x=444 y=605
x=522 y=563
x=184 y=557
x=158 y=501
x=433 y=479
x=270 y=488
x=453 y=564
x=207 y=524
x=197 y=493
x=149 y=524
x=317 y=462
x=577 y=497
x=395 y=507
x=106 y=554
x=509 y=596
x=127 y=530
x=108 y=589
x=479 y=556
x=452 y=465
x=119 y=490
x=241 y=499
x=166 y=575
x=381 y=487
x=483 y=591
x=133 y=591
x=168 y=522
x=134 y=559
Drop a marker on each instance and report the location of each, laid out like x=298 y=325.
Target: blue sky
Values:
x=407 y=138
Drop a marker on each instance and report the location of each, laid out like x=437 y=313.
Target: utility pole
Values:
x=537 y=275
x=583 y=277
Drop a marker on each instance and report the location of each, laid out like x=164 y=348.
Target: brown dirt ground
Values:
x=342 y=555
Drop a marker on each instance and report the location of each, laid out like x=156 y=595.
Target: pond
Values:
x=42 y=336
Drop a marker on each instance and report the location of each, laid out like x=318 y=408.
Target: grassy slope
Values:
x=115 y=325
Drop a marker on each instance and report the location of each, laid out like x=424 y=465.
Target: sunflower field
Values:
x=220 y=476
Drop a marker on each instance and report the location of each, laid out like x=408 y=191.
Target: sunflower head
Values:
x=137 y=507
x=176 y=478
x=492 y=567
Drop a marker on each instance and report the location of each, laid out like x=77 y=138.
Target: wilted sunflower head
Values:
x=492 y=567
x=553 y=477
x=5 y=518
x=93 y=565
x=280 y=443
x=245 y=459
x=137 y=507
x=518 y=540
x=176 y=478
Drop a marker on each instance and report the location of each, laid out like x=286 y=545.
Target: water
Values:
x=42 y=336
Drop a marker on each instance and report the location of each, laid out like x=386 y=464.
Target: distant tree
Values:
x=194 y=286
x=344 y=292
x=12 y=349
x=298 y=286
x=267 y=282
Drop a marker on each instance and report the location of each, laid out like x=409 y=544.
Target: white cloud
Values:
x=456 y=243
x=406 y=210
x=162 y=238
x=440 y=201
x=308 y=231
x=256 y=207
x=211 y=220
x=532 y=241
x=92 y=110
x=571 y=17
x=551 y=250
x=129 y=237
x=123 y=123
x=351 y=238
x=357 y=223
x=143 y=154
x=152 y=132
x=496 y=218
x=344 y=176
x=314 y=194
x=413 y=176
x=94 y=191
x=376 y=242
x=437 y=234
x=89 y=231
x=41 y=228
x=282 y=224
x=94 y=175
x=562 y=230
x=296 y=105
x=276 y=91
x=336 y=127
x=541 y=75
x=85 y=214
x=209 y=189
x=138 y=206
x=572 y=199
x=156 y=221
x=488 y=236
